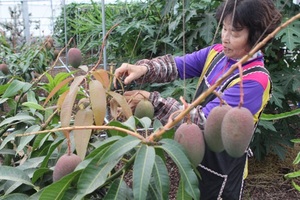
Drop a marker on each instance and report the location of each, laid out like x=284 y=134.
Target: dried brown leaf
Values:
x=67 y=105
x=126 y=110
x=114 y=108
x=83 y=117
x=98 y=101
x=61 y=99
x=102 y=76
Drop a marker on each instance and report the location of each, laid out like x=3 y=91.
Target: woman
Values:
x=244 y=23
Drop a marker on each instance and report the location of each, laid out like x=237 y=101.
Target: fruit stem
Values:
x=185 y=105
x=241 y=85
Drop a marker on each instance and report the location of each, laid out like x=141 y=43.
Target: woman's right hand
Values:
x=129 y=72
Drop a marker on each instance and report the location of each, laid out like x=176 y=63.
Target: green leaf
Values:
x=7 y=152
x=268 y=125
x=93 y=176
x=39 y=140
x=145 y=122
x=31 y=163
x=117 y=191
x=14 y=174
x=280 y=115
x=161 y=178
x=208 y=24
x=190 y=180
x=33 y=105
x=130 y=123
x=26 y=139
x=10 y=137
x=120 y=147
x=56 y=190
x=290 y=35
x=13 y=89
x=117 y=132
x=20 y=117
x=181 y=193
x=53 y=146
x=142 y=170
x=15 y=196
x=297 y=159
x=39 y=173
x=296 y=186
x=292 y=175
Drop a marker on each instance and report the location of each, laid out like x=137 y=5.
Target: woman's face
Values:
x=234 y=41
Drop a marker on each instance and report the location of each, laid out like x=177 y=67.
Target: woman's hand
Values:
x=135 y=96
x=129 y=72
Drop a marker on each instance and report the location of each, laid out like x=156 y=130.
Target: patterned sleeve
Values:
x=165 y=107
x=161 y=69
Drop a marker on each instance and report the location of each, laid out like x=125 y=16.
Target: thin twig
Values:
x=103 y=45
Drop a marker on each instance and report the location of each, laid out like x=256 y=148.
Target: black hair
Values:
x=260 y=16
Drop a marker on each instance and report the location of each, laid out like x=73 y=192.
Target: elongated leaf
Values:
x=93 y=176
x=7 y=152
x=57 y=88
x=39 y=140
x=117 y=132
x=98 y=152
x=145 y=122
x=98 y=101
x=32 y=102
x=102 y=76
x=297 y=159
x=56 y=190
x=292 y=175
x=187 y=174
x=20 y=117
x=181 y=193
x=120 y=147
x=15 y=196
x=53 y=146
x=296 y=186
x=10 y=137
x=82 y=137
x=39 y=173
x=280 y=115
x=14 y=87
x=61 y=99
x=26 y=139
x=67 y=105
x=123 y=103
x=31 y=163
x=14 y=174
x=161 y=178
x=142 y=171
x=117 y=191
x=130 y=123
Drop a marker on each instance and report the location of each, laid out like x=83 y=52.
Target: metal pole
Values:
x=65 y=27
x=103 y=35
x=26 y=20
x=52 y=17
